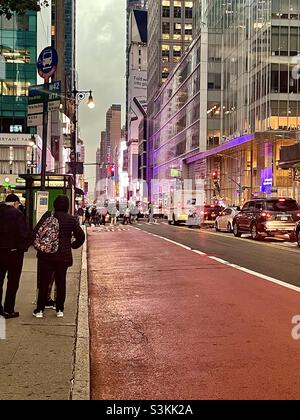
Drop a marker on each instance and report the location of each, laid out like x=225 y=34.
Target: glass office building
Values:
x=18 y=52
x=233 y=115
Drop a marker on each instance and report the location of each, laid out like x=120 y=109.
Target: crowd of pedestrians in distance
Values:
x=101 y=215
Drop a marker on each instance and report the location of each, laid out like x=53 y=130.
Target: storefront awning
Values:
x=223 y=147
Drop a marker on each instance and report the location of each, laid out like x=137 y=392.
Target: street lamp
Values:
x=91 y=102
x=77 y=96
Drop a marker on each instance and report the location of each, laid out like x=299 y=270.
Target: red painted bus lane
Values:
x=167 y=323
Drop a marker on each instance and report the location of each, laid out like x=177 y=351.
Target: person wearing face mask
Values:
x=14 y=242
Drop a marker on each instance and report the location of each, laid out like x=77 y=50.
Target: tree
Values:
x=9 y=7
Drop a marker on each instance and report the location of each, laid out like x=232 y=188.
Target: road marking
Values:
x=237 y=267
x=219 y=260
x=287 y=246
x=175 y=243
x=267 y=278
x=199 y=252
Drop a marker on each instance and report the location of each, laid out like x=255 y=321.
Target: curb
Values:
x=81 y=373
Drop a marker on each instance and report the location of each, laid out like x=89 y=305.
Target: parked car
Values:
x=212 y=211
x=225 y=219
x=267 y=217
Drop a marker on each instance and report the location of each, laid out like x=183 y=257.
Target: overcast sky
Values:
x=101 y=43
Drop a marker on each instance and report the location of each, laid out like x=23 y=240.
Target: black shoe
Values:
x=12 y=315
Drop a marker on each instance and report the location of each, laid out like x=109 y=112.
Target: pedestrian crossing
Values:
x=110 y=229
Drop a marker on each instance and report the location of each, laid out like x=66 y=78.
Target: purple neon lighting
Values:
x=223 y=147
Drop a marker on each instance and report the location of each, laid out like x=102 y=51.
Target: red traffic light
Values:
x=111 y=171
x=215 y=175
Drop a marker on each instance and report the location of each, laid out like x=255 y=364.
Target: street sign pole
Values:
x=47 y=66
x=44 y=148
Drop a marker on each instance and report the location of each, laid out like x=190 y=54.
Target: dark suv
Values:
x=267 y=217
x=211 y=212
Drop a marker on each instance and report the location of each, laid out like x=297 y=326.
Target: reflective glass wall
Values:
x=18 y=51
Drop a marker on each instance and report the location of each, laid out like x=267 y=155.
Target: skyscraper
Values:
x=18 y=52
x=233 y=103
x=101 y=169
x=64 y=40
x=136 y=89
x=63 y=30
x=113 y=131
x=169 y=34
x=21 y=40
x=131 y=6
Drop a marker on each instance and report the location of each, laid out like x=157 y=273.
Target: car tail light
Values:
x=298 y=215
x=266 y=215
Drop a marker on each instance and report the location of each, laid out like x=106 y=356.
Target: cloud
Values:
x=101 y=64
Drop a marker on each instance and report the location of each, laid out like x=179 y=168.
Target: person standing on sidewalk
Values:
x=57 y=264
x=14 y=242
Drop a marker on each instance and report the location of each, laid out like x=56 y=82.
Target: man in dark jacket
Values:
x=14 y=241
x=57 y=264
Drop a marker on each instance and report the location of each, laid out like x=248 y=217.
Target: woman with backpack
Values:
x=53 y=241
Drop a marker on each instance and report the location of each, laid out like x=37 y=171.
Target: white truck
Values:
x=185 y=207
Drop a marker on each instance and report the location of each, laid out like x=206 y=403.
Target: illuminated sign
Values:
x=175 y=173
x=266 y=180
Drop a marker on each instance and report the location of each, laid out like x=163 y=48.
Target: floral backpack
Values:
x=47 y=237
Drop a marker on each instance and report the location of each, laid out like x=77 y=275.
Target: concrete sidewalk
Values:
x=37 y=358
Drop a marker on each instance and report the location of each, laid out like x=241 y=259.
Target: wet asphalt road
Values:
x=272 y=257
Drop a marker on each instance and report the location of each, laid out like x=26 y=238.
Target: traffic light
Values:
x=111 y=171
x=215 y=175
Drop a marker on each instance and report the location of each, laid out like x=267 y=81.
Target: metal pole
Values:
x=44 y=149
x=74 y=145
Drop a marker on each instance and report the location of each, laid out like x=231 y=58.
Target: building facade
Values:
x=113 y=131
x=137 y=91
x=18 y=50
x=170 y=32
x=63 y=34
x=101 y=168
x=20 y=41
x=233 y=115
x=63 y=39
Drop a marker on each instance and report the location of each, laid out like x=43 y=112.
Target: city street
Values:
x=170 y=323
x=272 y=257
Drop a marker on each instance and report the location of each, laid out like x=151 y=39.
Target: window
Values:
x=166 y=27
x=165 y=73
x=284 y=205
x=188 y=29
x=177 y=11
x=165 y=53
x=188 y=10
x=177 y=51
x=166 y=11
x=177 y=28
